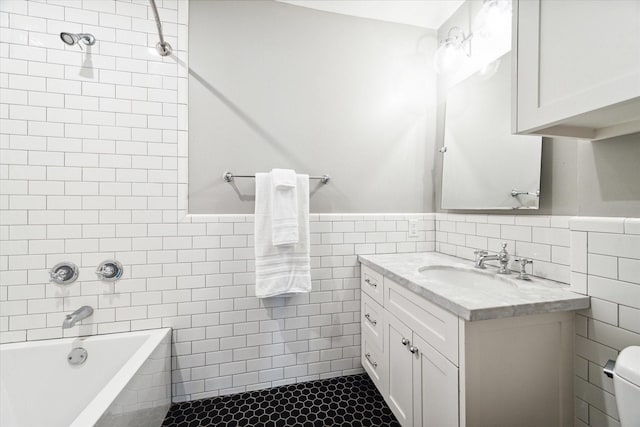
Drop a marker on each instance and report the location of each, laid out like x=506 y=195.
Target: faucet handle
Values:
x=63 y=273
x=480 y=252
x=522 y=275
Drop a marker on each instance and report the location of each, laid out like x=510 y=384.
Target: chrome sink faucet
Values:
x=71 y=319
x=502 y=257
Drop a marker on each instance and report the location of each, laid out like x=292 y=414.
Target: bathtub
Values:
x=125 y=381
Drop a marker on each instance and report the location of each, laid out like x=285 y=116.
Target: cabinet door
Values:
x=397 y=339
x=435 y=387
x=573 y=58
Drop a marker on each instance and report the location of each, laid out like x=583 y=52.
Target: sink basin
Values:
x=467 y=278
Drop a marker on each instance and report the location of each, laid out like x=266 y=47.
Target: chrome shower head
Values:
x=71 y=39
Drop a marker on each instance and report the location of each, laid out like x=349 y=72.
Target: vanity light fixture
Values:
x=453 y=50
x=492 y=22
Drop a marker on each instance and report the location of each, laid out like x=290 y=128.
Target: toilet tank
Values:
x=626 y=383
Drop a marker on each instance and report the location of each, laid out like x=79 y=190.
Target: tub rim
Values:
x=98 y=406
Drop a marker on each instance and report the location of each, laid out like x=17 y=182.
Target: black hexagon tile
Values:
x=343 y=401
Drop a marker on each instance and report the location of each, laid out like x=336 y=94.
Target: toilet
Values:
x=626 y=382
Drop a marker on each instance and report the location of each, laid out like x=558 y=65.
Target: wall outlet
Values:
x=413 y=228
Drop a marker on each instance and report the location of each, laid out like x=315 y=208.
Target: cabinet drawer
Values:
x=436 y=325
x=373 y=362
x=372 y=319
x=372 y=284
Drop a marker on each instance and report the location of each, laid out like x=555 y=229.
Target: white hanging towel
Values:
x=281 y=269
x=284 y=207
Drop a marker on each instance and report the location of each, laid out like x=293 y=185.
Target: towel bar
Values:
x=228 y=177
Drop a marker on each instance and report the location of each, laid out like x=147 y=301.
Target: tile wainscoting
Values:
x=599 y=257
x=605 y=264
x=544 y=239
x=200 y=282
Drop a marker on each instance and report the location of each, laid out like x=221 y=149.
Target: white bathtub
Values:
x=124 y=382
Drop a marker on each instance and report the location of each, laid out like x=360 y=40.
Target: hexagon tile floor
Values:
x=343 y=401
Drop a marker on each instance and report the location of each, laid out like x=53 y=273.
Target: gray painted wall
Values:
x=275 y=85
x=578 y=177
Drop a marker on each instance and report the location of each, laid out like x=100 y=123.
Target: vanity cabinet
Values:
x=576 y=68
x=435 y=369
x=423 y=384
x=419 y=384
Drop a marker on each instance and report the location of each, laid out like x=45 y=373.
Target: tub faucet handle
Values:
x=109 y=270
x=58 y=276
x=63 y=273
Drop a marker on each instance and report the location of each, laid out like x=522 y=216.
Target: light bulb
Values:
x=449 y=56
x=494 y=19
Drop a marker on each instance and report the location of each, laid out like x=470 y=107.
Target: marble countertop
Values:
x=509 y=297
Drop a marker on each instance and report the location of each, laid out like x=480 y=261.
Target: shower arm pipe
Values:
x=164 y=48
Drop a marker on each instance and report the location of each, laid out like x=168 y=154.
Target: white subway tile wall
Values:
x=93 y=163
x=93 y=166
x=605 y=264
x=544 y=239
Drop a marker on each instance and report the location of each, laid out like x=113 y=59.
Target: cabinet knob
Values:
x=405 y=341
x=413 y=350
x=368 y=281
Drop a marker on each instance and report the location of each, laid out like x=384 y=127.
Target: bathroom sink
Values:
x=468 y=278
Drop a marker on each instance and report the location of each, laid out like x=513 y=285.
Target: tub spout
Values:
x=71 y=319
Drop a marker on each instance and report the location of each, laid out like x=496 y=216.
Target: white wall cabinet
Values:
x=437 y=370
x=576 y=68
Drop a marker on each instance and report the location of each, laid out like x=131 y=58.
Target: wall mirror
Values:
x=484 y=165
